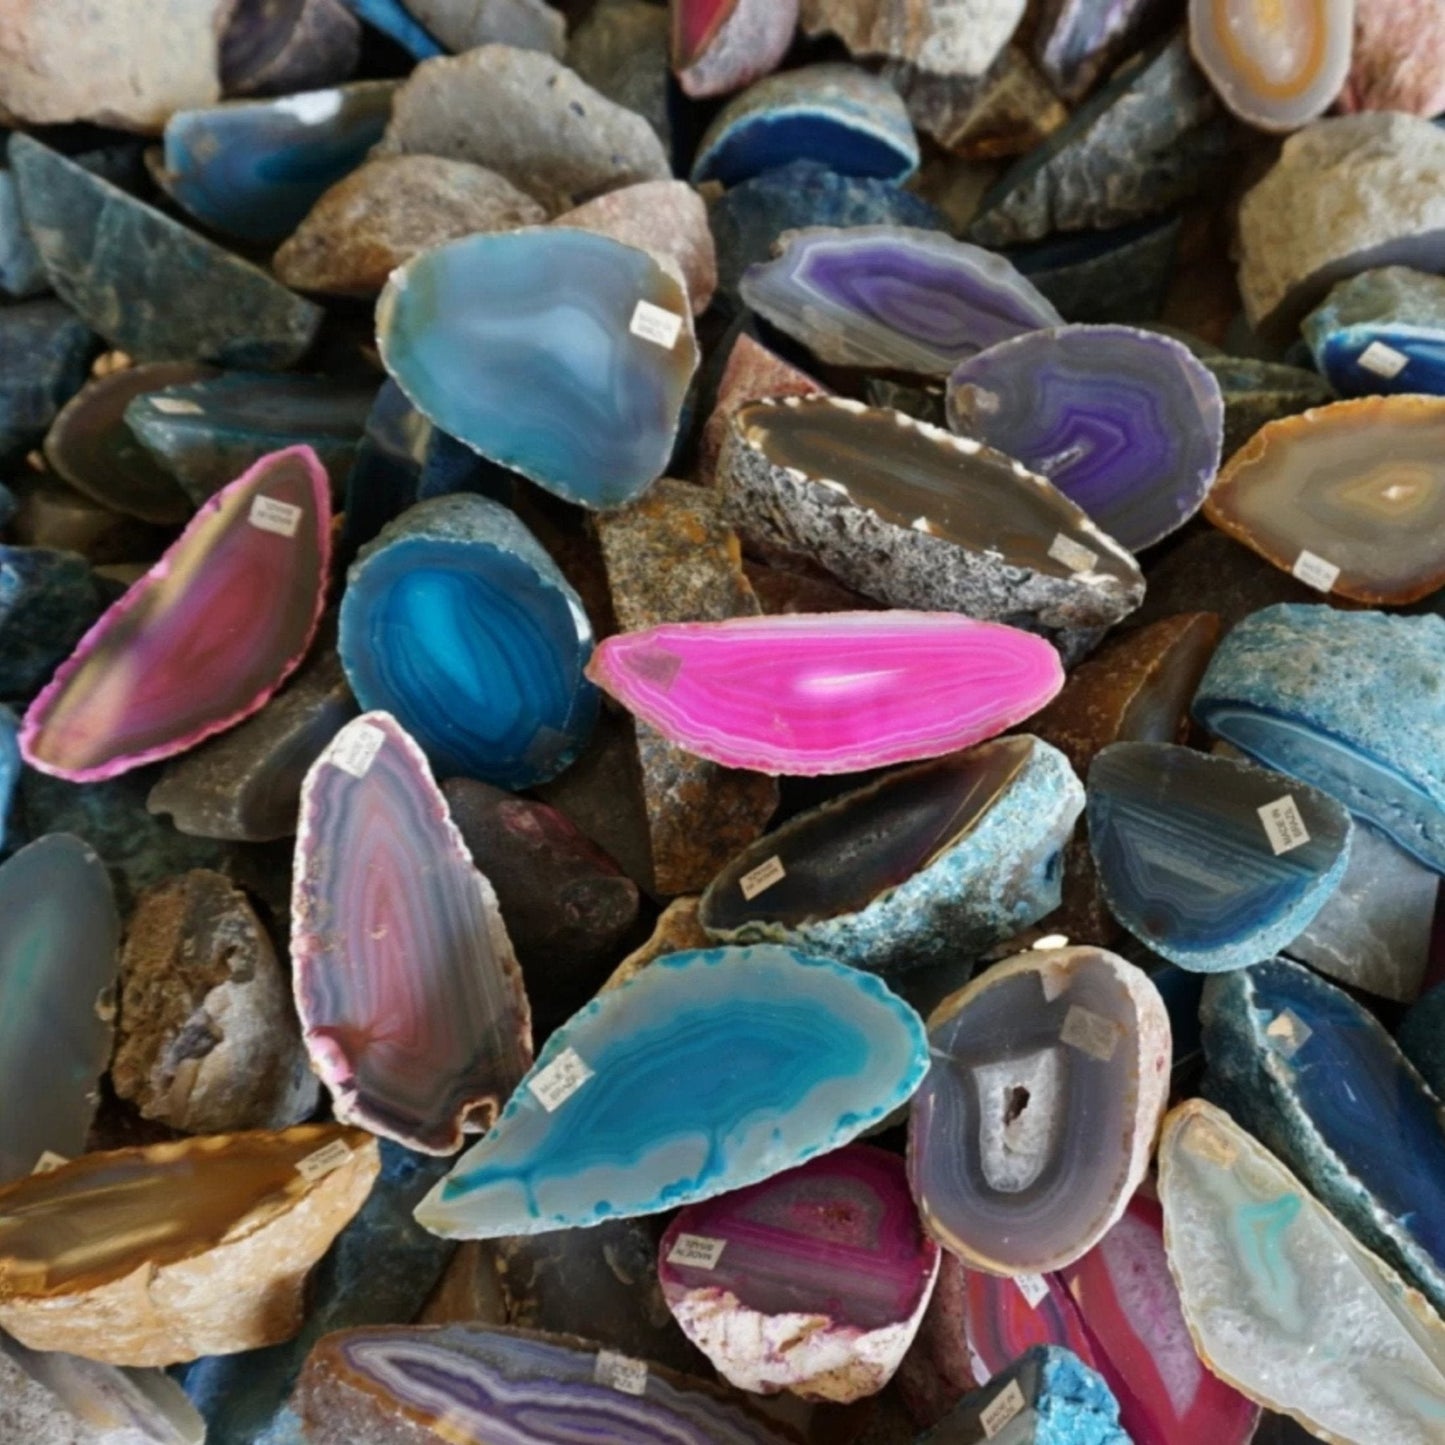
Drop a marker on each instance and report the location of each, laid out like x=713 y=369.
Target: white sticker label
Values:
x=981 y=1372
x=1074 y=555
x=1288 y=1032
x=656 y=324
x=1283 y=825
x=1209 y=1143
x=696 y=1250
x=1315 y=571
x=1002 y=1408
x=760 y=879
x=1383 y=360
x=621 y=1373
x=1090 y=1033
x=323 y=1161
x=49 y=1161
x=176 y=406
x=555 y=1084
x=355 y=748
x=272 y=516
x=1033 y=1287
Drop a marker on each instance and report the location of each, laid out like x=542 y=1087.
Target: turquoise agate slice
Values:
x=562 y=354
x=1313 y=1076
x=710 y=1070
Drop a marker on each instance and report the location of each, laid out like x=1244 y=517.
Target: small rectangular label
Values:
x=176 y=406
x=1074 y=555
x=1288 y=1032
x=1090 y=1033
x=1209 y=1143
x=555 y=1084
x=656 y=324
x=1002 y=1408
x=1315 y=571
x=981 y=1372
x=355 y=748
x=272 y=516
x=1283 y=825
x=696 y=1250
x=323 y=1161
x=1033 y=1287
x=1383 y=360
x=621 y=1373
x=49 y=1161
x=760 y=879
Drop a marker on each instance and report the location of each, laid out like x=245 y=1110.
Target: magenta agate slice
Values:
x=203 y=639
x=829 y=693
x=411 y=1000
x=1003 y=1317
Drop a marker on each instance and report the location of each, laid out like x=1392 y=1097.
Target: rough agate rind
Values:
x=1381 y=332
x=893 y=296
x=1281 y=1300
x=1037 y=1120
x=829 y=693
x=925 y=866
x=457 y=622
x=919 y=518
x=1316 y=1079
x=1346 y=701
x=596 y=426
x=720 y=45
x=410 y=997
x=1125 y=423
x=802 y=1056
x=1212 y=863
x=814 y=1281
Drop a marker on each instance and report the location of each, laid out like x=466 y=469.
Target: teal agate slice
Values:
x=561 y=354
x=710 y=1070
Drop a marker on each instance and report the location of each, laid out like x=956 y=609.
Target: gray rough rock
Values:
x=465 y=24
x=944 y=37
x=621 y=50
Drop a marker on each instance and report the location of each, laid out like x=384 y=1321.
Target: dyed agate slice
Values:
x=483 y=336
x=831 y=693
x=1212 y=863
x=1315 y=1078
x=1381 y=331
x=457 y=622
x=1346 y=701
x=1125 y=423
x=719 y=45
x=924 y=866
x=59 y=951
x=893 y=296
x=402 y=1385
x=1035 y=1125
x=1350 y=498
x=706 y=1072
x=1281 y=1300
x=10 y=766
x=814 y=1281
x=1004 y=1317
x=1276 y=65
x=410 y=997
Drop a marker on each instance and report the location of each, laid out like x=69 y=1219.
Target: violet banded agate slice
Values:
x=829 y=693
x=410 y=997
x=814 y=1281
x=203 y=639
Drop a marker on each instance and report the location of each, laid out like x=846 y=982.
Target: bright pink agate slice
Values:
x=1001 y=1322
x=204 y=638
x=411 y=1000
x=830 y=693
x=694 y=25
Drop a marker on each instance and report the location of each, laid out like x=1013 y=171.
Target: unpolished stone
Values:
x=21 y=274
x=620 y=50
x=1398 y=61
x=1258 y=392
x=1422 y=1038
x=945 y=37
x=51 y=514
x=1381 y=331
x=678 y=928
x=274 y=47
x=465 y=24
x=44 y=351
x=47 y=601
x=1076 y=41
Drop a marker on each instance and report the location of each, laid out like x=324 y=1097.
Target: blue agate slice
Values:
x=394 y=20
x=709 y=1070
x=1313 y=1076
x=1352 y=702
x=253 y=169
x=1212 y=863
x=1381 y=331
x=9 y=765
x=458 y=623
x=562 y=354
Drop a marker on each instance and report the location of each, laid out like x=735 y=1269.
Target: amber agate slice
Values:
x=156 y=1255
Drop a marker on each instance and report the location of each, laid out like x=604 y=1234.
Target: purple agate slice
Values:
x=1125 y=423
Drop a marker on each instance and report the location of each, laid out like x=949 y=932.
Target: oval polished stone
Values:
x=1037 y=1120
x=457 y=622
x=617 y=1117
x=410 y=997
x=1381 y=331
x=1125 y=423
x=203 y=639
x=562 y=354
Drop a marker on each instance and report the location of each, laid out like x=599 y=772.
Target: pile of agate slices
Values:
x=722 y=722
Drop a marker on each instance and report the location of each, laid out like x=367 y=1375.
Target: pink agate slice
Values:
x=1003 y=1317
x=411 y=1001
x=829 y=693
x=203 y=639
x=814 y=1281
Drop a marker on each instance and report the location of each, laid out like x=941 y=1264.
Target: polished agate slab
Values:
x=203 y=639
x=927 y=865
x=893 y=296
x=1275 y=63
x=1214 y=864
x=1381 y=331
x=916 y=517
x=1349 y=497
x=1283 y=1302
x=59 y=951
x=831 y=693
x=1125 y=423
x=487 y=337
x=410 y=997
x=620 y=1117
x=719 y=45
x=155 y=1255
x=1005 y=1317
x=814 y=1281
x=1037 y=1120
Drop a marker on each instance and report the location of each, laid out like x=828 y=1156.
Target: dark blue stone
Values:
x=8 y=504
x=47 y=601
x=9 y=769
x=1381 y=332
x=393 y=19
x=45 y=350
x=1422 y=1037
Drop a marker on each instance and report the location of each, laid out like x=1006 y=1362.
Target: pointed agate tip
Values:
x=809 y=694
x=203 y=639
